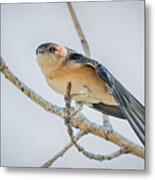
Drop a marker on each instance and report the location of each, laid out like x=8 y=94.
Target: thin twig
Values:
x=79 y=30
x=121 y=151
x=80 y=121
x=63 y=151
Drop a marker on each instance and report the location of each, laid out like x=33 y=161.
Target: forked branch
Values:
x=80 y=121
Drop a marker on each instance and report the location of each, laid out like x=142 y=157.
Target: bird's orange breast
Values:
x=80 y=77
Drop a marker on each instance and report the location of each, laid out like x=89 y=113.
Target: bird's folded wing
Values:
x=131 y=109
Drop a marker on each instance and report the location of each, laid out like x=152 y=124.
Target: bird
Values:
x=92 y=84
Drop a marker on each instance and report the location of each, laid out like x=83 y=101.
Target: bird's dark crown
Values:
x=49 y=46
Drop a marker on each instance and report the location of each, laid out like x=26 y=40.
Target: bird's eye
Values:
x=52 y=49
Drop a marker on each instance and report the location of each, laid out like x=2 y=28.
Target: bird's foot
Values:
x=107 y=126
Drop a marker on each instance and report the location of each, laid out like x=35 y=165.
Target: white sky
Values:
x=115 y=32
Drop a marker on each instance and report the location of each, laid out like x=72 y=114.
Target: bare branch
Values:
x=62 y=152
x=79 y=30
x=80 y=121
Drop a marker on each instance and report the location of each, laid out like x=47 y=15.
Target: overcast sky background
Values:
x=115 y=33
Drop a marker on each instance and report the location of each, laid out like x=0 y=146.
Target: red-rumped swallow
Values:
x=92 y=84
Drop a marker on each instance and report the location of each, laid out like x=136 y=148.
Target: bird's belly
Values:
x=95 y=89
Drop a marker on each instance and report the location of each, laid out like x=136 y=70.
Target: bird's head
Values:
x=50 y=56
x=51 y=52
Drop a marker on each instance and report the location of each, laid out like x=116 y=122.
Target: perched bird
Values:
x=92 y=84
